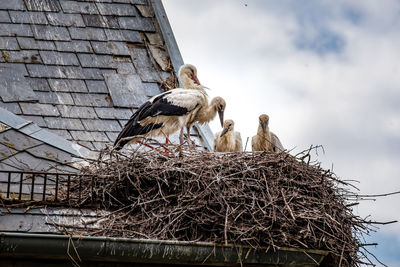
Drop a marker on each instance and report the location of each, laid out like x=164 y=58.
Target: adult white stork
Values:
x=228 y=140
x=188 y=75
x=265 y=140
x=162 y=115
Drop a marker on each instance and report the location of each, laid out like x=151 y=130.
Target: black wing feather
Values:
x=158 y=106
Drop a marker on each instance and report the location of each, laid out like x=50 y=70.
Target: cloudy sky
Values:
x=326 y=72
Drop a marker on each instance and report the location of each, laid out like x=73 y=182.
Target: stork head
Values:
x=264 y=120
x=228 y=126
x=219 y=104
x=188 y=76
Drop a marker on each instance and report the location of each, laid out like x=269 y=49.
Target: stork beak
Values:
x=224 y=131
x=264 y=126
x=196 y=81
x=221 y=117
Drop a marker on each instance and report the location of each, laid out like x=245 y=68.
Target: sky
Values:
x=326 y=72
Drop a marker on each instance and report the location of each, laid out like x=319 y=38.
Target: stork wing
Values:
x=278 y=147
x=238 y=142
x=177 y=102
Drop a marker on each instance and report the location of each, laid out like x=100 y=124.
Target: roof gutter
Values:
x=50 y=247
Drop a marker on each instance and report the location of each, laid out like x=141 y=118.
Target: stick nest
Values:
x=258 y=199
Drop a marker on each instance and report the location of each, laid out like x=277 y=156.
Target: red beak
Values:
x=196 y=81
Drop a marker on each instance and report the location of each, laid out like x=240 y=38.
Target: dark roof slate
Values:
x=80 y=68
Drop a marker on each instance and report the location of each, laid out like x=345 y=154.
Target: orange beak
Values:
x=196 y=81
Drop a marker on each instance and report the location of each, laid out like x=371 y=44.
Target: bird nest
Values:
x=259 y=199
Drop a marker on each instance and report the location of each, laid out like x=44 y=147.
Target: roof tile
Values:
x=18 y=141
x=117 y=9
x=31 y=43
x=96 y=86
x=125 y=68
x=39 y=109
x=12 y=5
x=146 y=11
x=14 y=86
x=126 y=90
x=123 y=35
x=38 y=84
x=36 y=119
x=61 y=19
x=23 y=56
x=97 y=61
x=44 y=71
x=9 y=43
x=4 y=17
x=12 y=107
x=100 y=21
x=102 y=125
x=15 y=30
x=135 y=23
x=79 y=7
x=57 y=58
x=28 y=17
x=87 y=34
x=47 y=32
x=100 y=145
x=152 y=89
x=155 y=38
x=63 y=133
x=70 y=72
x=112 y=135
x=16 y=67
x=113 y=48
x=140 y=58
x=55 y=98
x=83 y=73
x=74 y=46
x=94 y=100
x=77 y=112
x=89 y=136
x=62 y=123
x=113 y=113
x=62 y=85
x=139 y=2
x=43 y=5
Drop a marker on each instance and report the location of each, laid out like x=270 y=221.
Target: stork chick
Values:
x=207 y=113
x=162 y=115
x=188 y=76
x=265 y=140
x=228 y=140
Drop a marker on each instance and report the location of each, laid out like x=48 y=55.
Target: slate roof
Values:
x=79 y=69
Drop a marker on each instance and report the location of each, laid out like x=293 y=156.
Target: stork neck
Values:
x=263 y=134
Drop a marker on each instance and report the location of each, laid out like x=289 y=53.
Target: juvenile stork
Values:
x=265 y=140
x=228 y=140
x=188 y=76
x=206 y=113
x=162 y=115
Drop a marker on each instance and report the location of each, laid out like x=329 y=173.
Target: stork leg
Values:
x=180 y=142
x=190 y=142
